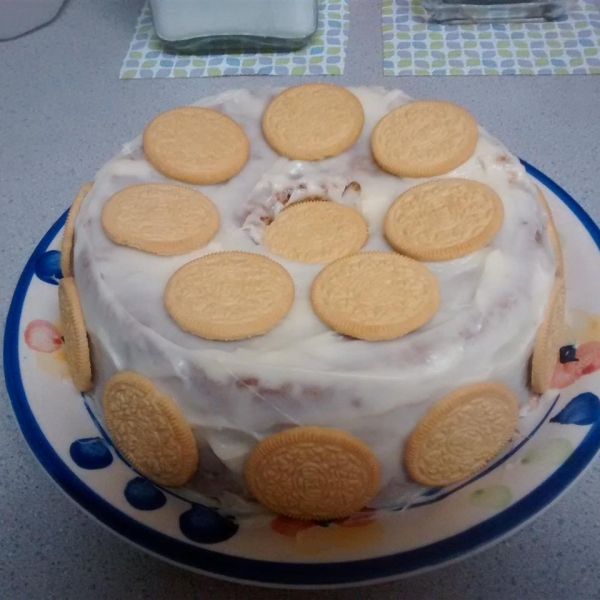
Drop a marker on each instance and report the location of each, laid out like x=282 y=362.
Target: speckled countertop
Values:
x=64 y=112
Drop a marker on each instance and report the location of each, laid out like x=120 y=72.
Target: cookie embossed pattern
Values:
x=162 y=219
x=469 y=215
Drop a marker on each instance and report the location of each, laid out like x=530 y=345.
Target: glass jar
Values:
x=217 y=26
x=494 y=11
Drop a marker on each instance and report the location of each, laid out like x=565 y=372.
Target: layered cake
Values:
x=311 y=300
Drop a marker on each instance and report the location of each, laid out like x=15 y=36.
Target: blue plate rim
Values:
x=271 y=573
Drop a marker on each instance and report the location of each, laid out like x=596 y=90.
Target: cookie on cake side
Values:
x=323 y=322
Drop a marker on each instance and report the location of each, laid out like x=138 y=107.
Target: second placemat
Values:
x=411 y=46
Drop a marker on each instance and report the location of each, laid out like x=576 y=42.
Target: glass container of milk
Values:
x=216 y=26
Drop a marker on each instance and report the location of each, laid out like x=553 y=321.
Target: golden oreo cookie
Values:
x=76 y=341
x=313 y=473
x=160 y=218
x=313 y=121
x=66 y=251
x=375 y=295
x=552 y=234
x=549 y=338
x=461 y=433
x=196 y=145
x=443 y=219
x=229 y=295
x=424 y=138
x=149 y=430
x=316 y=232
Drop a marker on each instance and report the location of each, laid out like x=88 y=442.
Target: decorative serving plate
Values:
x=558 y=441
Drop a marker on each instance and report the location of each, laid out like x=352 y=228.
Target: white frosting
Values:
x=235 y=393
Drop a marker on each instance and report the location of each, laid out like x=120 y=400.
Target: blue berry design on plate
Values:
x=47 y=267
x=91 y=453
x=206 y=526
x=144 y=495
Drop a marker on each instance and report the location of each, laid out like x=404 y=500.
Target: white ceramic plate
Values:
x=559 y=439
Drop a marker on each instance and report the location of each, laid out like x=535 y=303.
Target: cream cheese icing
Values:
x=233 y=394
